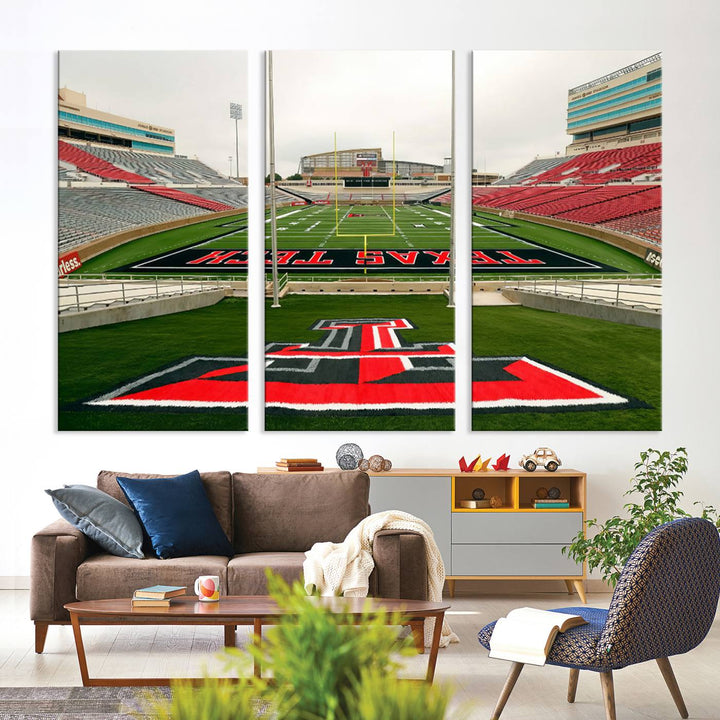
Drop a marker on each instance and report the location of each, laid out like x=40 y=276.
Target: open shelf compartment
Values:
x=502 y=485
x=572 y=488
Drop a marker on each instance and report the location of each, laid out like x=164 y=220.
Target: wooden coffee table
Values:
x=231 y=611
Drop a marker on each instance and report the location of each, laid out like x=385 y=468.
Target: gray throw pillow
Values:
x=110 y=523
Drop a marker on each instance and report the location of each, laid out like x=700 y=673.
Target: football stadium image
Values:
x=359 y=322
x=567 y=256
x=152 y=245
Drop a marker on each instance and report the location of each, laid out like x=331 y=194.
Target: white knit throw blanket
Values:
x=344 y=568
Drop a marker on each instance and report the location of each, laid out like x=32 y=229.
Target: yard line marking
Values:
x=292 y=212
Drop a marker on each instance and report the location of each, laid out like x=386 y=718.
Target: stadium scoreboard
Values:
x=366 y=182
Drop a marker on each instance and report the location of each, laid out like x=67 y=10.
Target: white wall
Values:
x=35 y=456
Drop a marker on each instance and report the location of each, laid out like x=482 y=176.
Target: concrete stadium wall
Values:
x=364 y=288
x=584 y=308
x=138 y=310
x=624 y=242
x=96 y=247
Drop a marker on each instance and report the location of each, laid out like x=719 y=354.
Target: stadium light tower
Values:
x=273 y=207
x=453 y=206
x=236 y=114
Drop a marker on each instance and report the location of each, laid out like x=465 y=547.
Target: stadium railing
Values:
x=644 y=294
x=77 y=296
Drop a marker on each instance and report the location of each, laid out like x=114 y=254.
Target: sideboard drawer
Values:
x=515 y=527
x=516 y=560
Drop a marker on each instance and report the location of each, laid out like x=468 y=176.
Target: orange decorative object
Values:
x=481 y=465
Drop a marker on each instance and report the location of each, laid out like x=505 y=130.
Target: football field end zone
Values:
x=139 y=310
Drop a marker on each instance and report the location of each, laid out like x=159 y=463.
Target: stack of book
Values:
x=299 y=465
x=550 y=503
x=156 y=595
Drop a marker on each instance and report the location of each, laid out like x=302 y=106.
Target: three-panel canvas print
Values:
x=362 y=241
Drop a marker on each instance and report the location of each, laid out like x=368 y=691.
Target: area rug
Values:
x=72 y=703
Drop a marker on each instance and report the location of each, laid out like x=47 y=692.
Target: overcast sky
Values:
x=520 y=101
x=190 y=92
x=363 y=96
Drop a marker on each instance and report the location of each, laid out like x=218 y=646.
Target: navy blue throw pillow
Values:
x=177 y=515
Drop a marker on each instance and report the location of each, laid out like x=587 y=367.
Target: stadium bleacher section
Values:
x=184 y=197
x=533 y=168
x=236 y=197
x=162 y=170
x=612 y=204
x=615 y=189
x=403 y=194
x=647 y=225
x=86 y=214
x=118 y=197
x=591 y=205
x=89 y=163
x=605 y=166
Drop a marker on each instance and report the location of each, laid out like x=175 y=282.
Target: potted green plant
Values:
x=323 y=668
x=656 y=479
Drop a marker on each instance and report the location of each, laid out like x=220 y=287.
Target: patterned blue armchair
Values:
x=664 y=604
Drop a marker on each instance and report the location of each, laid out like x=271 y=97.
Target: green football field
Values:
x=401 y=228
x=490 y=232
x=348 y=226
x=293 y=323
x=99 y=360
x=621 y=358
x=225 y=233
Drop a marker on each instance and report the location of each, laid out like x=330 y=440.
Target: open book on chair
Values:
x=527 y=634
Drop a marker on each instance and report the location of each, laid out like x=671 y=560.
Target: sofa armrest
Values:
x=400 y=565
x=55 y=554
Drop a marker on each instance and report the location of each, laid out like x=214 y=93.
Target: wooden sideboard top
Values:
x=444 y=472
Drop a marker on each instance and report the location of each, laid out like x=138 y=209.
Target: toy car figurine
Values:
x=542 y=456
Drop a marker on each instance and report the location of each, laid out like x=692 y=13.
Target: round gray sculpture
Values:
x=348 y=456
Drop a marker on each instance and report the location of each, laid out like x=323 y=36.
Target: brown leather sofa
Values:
x=271 y=520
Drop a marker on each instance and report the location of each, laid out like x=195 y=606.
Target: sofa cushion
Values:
x=108 y=576
x=176 y=515
x=110 y=523
x=290 y=513
x=217 y=487
x=246 y=573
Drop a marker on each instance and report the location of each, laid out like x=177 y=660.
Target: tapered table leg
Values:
x=432 y=660
x=82 y=659
x=418 y=633
x=257 y=640
x=230 y=636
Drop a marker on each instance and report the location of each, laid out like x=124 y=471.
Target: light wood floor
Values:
x=539 y=694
